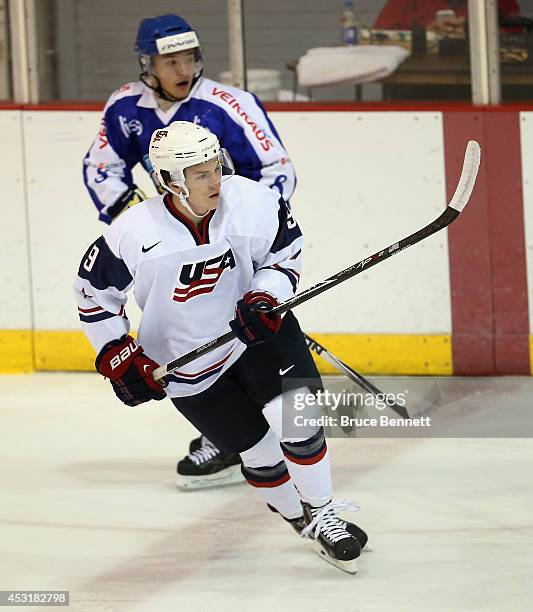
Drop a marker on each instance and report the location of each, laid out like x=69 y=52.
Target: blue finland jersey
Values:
x=131 y=115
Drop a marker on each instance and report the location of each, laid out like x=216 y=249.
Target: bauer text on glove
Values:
x=130 y=371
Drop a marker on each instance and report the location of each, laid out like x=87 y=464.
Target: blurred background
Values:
x=81 y=49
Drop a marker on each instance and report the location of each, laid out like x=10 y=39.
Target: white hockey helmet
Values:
x=181 y=145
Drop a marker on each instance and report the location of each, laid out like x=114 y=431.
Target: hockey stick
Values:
x=352 y=374
x=452 y=211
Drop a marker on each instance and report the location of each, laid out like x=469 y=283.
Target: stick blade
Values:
x=468 y=176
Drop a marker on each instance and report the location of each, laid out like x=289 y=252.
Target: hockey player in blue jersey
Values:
x=207 y=255
x=171 y=87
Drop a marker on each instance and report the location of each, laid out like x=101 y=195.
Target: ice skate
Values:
x=332 y=540
x=208 y=467
x=298 y=523
x=358 y=533
x=195 y=444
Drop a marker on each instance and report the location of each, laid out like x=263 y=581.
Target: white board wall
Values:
x=364 y=181
x=15 y=282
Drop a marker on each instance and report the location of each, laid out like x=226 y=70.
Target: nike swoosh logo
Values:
x=145 y=367
x=282 y=372
x=146 y=249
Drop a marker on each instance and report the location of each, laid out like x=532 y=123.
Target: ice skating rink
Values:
x=88 y=504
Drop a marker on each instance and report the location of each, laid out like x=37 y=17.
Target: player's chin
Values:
x=209 y=203
x=213 y=201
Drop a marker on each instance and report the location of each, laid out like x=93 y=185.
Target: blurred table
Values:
x=430 y=70
x=292 y=66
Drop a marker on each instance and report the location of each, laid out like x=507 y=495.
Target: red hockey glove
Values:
x=253 y=323
x=130 y=371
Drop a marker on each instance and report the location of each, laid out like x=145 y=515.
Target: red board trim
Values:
x=507 y=243
x=488 y=273
x=469 y=254
x=308 y=107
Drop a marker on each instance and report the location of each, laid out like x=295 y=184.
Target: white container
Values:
x=265 y=84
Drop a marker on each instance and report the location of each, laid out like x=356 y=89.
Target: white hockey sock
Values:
x=310 y=468
x=265 y=470
x=307 y=460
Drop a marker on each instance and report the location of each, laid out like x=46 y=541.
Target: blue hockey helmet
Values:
x=162 y=35
x=165 y=34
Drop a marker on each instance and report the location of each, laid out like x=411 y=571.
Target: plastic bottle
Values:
x=349 y=24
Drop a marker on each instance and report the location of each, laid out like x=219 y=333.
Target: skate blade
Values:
x=350 y=567
x=229 y=476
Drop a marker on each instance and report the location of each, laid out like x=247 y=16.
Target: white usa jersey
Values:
x=187 y=280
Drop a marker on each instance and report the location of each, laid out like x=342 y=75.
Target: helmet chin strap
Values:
x=183 y=195
x=146 y=76
x=146 y=79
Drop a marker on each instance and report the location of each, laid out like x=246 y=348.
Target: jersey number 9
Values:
x=91 y=258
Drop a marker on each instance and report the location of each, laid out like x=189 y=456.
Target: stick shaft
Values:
x=445 y=219
x=357 y=378
x=452 y=211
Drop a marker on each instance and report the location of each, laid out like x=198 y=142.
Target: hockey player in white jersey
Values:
x=207 y=255
x=171 y=87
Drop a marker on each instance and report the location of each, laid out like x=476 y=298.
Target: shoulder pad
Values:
x=129 y=90
x=214 y=90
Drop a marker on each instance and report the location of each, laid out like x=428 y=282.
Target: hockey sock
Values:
x=309 y=466
x=307 y=460
x=265 y=470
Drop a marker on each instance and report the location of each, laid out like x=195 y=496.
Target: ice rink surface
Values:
x=88 y=504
